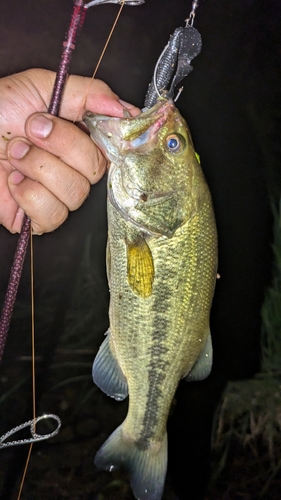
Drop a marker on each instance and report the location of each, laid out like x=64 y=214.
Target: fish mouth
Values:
x=101 y=136
x=115 y=136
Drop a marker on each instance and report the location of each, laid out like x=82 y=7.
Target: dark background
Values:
x=231 y=102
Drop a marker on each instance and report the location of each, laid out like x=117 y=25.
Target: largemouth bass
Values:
x=161 y=267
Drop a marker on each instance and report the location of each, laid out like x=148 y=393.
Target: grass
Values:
x=249 y=417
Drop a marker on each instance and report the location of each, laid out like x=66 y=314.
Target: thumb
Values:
x=82 y=94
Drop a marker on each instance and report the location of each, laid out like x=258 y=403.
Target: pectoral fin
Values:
x=107 y=373
x=140 y=268
x=203 y=365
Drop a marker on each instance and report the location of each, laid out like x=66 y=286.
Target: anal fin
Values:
x=203 y=366
x=107 y=373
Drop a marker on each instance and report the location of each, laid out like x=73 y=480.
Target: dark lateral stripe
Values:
x=159 y=360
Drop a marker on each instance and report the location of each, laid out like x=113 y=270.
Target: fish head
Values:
x=152 y=177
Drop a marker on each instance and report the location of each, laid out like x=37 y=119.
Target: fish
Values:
x=161 y=269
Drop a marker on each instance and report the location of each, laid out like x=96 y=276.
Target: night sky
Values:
x=231 y=102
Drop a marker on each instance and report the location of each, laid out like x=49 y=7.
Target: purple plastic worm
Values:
x=77 y=20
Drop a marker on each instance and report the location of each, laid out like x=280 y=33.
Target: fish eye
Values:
x=174 y=143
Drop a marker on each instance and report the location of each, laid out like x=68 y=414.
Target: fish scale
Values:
x=162 y=262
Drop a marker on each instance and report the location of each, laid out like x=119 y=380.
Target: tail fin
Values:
x=147 y=468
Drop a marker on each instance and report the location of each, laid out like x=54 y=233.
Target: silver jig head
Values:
x=126 y=2
x=35 y=436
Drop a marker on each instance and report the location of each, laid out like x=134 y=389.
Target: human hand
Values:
x=47 y=164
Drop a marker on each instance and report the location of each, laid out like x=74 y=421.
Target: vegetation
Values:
x=248 y=421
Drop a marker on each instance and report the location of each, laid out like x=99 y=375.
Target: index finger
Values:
x=65 y=141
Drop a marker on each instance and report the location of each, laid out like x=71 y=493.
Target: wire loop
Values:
x=190 y=20
x=35 y=436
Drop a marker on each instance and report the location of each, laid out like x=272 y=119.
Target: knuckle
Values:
x=68 y=140
x=56 y=217
x=98 y=164
x=46 y=212
x=37 y=229
x=78 y=192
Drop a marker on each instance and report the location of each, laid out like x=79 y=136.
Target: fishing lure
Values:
x=174 y=62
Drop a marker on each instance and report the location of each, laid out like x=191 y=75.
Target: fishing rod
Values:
x=78 y=15
x=80 y=9
x=183 y=46
x=171 y=67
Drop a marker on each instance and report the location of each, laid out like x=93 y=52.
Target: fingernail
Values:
x=41 y=126
x=126 y=104
x=18 y=149
x=16 y=177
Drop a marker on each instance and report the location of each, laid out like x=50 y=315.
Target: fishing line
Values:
x=190 y=44
x=75 y=26
x=191 y=18
x=31 y=423
x=84 y=97
x=76 y=23
x=32 y=323
x=33 y=358
x=24 y=472
x=35 y=420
